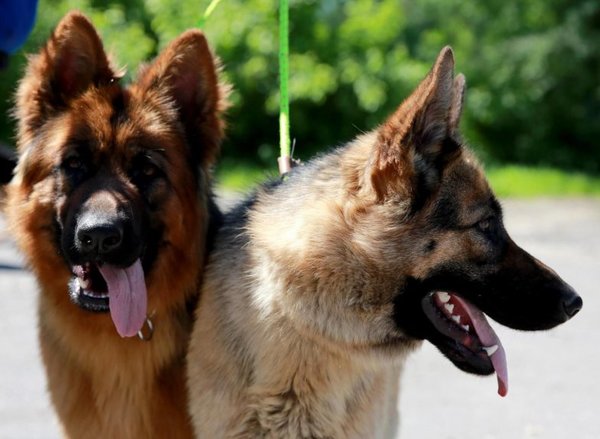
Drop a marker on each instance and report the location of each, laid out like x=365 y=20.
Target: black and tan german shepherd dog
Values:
x=321 y=285
x=111 y=204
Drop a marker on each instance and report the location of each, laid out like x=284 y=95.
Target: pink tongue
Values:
x=127 y=297
x=488 y=338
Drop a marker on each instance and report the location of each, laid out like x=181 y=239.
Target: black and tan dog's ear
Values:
x=186 y=73
x=72 y=60
x=458 y=98
x=416 y=142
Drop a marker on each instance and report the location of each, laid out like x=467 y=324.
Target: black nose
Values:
x=100 y=238
x=572 y=305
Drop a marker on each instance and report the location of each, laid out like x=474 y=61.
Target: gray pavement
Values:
x=554 y=376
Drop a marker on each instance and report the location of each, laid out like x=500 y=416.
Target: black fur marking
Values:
x=118 y=104
x=429 y=167
x=450 y=147
x=423 y=190
x=496 y=207
x=445 y=214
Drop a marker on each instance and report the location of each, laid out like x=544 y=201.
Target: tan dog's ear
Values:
x=419 y=139
x=72 y=60
x=186 y=74
x=458 y=98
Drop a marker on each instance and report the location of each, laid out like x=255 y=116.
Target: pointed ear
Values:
x=419 y=139
x=186 y=74
x=71 y=61
x=458 y=97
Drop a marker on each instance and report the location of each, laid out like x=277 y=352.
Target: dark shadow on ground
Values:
x=10 y=267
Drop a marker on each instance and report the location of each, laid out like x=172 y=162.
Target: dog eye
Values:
x=488 y=226
x=73 y=163
x=485 y=225
x=75 y=167
x=144 y=172
x=149 y=170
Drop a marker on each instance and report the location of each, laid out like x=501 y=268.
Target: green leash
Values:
x=209 y=10
x=285 y=159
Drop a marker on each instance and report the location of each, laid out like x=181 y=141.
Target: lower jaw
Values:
x=466 y=360
x=87 y=301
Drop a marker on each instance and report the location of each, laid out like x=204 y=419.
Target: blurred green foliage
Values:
x=532 y=67
x=521 y=181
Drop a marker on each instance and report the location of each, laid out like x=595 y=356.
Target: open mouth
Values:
x=88 y=288
x=102 y=287
x=465 y=336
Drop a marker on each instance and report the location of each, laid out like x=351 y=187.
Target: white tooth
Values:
x=466 y=327
x=456 y=319
x=491 y=350
x=449 y=307
x=82 y=283
x=444 y=297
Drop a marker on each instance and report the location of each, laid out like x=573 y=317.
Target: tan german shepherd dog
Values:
x=320 y=286
x=111 y=205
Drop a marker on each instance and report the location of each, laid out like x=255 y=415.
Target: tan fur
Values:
x=294 y=336
x=321 y=285
x=100 y=384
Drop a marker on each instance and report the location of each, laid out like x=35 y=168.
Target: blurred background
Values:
x=532 y=67
x=532 y=114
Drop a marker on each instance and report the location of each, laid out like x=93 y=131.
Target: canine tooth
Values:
x=465 y=327
x=444 y=297
x=456 y=319
x=449 y=307
x=491 y=349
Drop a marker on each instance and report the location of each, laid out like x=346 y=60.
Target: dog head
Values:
x=110 y=194
x=462 y=262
